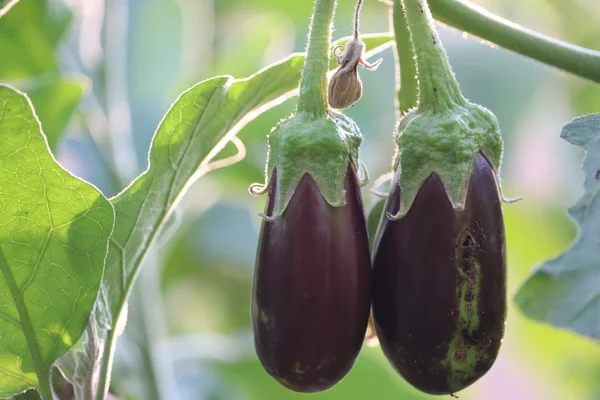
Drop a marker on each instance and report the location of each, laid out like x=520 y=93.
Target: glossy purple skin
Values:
x=420 y=263
x=311 y=294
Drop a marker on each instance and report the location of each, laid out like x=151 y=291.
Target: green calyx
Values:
x=321 y=147
x=447 y=144
x=444 y=134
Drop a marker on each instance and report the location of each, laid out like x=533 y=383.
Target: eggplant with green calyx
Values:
x=439 y=259
x=311 y=290
x=311 y=293
x=439 y=294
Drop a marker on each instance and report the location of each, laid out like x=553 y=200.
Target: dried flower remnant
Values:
x=345 y=86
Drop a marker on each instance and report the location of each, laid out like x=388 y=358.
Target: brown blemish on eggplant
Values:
x=465 y=251
x=460 y=354
x=466 y=258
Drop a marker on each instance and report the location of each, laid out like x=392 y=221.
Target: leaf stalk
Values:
x=468 y=17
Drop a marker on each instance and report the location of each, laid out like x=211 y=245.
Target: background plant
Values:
x=187 y=329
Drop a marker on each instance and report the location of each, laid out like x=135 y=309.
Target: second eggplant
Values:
x=439 y=284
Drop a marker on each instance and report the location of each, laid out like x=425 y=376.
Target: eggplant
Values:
x=439 y=284
x=311 y=293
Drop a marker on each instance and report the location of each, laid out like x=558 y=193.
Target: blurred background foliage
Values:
x=101 y=74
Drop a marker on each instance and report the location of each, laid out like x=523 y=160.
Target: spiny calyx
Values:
x=447 y=144
x=321 y=147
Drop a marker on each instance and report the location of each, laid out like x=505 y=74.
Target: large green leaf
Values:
x=566 y=291
x=197 y=127
x=54 y=231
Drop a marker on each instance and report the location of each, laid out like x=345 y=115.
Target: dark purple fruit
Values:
x=311 y=295
x=439 y=284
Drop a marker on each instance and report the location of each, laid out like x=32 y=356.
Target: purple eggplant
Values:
x=439 y=284
x=311 y=294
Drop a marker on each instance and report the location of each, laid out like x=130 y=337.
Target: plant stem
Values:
x=475 y=20
x=313 y=85
x=122 y=145
x=438 y=88
x=406 y=68
x=356 y=30
x=108 y=357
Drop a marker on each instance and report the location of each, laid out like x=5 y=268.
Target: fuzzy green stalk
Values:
x=406 y=69
x=438 y=88
x=313 y=85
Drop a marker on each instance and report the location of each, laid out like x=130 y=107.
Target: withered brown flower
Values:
x=345 y=86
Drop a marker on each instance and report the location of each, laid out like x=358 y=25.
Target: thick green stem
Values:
x=107 y=362
x=313 y=85
x=406 y=73
x=438 y=89
x=475 y=20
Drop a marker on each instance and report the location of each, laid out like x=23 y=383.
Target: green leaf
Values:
x=29 y=36
x=54 y=231
x=55 y=102
x=566 y=291
x=197 y=127
x=6 y=5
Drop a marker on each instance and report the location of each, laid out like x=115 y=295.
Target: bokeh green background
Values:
x=189 y=326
